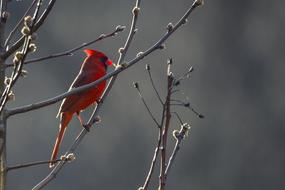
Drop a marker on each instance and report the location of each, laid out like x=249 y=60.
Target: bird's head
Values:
x=102 y=58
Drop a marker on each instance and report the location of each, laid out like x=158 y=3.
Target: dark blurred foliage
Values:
x=236 y=48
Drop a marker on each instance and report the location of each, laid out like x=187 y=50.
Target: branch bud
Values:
x=28 y=20
x=140 y=188
x=69 y=158
x=24 y=73
x=185 y=21
x=120 y=28
x=32 y=48
x=25 y=30
x=7 y=81
x=136 y=85
x=136 y=10
x=11 y=96
x=102 y=36
x=169 y=61
x=175 y=134
x=121 y=50
x=169 y=27
x=162 y=46
x=124 y=64
x=176 y=83
x=5 y=15
x=140 y=54
x=199 y=2
x=19 y=55
x=135 y=30
x=147 y=67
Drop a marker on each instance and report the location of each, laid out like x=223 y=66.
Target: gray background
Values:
x=237 y=50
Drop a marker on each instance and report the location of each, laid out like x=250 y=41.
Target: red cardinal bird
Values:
x=93 y=68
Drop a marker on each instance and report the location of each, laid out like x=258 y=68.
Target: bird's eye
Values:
x=103 y=59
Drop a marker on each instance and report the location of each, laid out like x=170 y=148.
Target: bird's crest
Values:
x=90 y=52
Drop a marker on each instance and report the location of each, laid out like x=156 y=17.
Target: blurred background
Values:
x=237 y=51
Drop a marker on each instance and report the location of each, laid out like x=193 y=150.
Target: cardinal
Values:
x=93 y=68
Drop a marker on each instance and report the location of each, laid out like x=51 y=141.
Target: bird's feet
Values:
x=97 y=119
x=86 y=127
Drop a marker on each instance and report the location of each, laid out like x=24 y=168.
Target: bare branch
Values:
x=13 y=31
x=162 y=177
x=136 y=85
x=152 y=83
x=20 y=42
x=70 y=51
x=187 y=105
x=179 y=136
x=20 y=166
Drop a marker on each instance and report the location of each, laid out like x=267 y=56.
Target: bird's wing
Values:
x=69 y=101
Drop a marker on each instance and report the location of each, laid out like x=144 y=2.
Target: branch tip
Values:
x=136 y=10
x=5 y=15
x=169 y=27
x=147 y=67
x=136 y=85
x=25 y=30
x=120 y=28
x=69 y=158
x=121 y=50
x=162 y=46
x=169 y=61
x=24 y=73
x=140 y=54
x=199 y=2
x=185 y=21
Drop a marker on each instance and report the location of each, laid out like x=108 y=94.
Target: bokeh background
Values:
x=237 y=51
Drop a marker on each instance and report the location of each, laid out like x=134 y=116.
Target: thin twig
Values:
x=20 y=42
x=145 y=104
x=152 y=83
x=70 y=51
x=153 y=162
x=20 y=166
x=13 y=31
x=155 y=155
x=179 y=136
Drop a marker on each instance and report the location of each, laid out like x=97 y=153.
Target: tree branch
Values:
x=179 y=136
x=20 y=166
x=13 y=31
x=136 y=85
x=20 y=42
x=152 y=83
x=69 y=52
x=162 y=177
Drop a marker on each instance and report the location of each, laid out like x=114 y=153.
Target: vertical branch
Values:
x=3 y=19
x=162 y=178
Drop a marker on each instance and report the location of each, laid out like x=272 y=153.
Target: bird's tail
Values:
x=65 y=119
